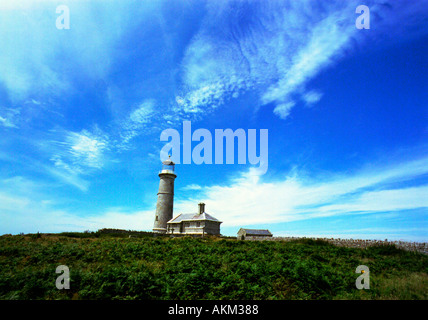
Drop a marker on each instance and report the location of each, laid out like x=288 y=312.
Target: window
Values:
x=156 y=218
x=198 y=224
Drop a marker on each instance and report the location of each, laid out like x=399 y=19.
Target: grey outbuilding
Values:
x=253 y=234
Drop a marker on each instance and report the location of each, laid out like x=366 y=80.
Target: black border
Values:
x=143 y=309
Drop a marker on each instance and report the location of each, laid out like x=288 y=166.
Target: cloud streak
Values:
x=246 y=200
x=80 y=151
x=136 y=123
x=249 y=200
x=25 y=206
x=37 y=57
x=274 y=48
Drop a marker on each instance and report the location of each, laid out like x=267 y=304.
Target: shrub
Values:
x=110 y=267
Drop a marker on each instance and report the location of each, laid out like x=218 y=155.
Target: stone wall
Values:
x=356 y=243
x=256 y=238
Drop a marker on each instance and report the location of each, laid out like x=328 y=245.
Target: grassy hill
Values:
x=114 y=266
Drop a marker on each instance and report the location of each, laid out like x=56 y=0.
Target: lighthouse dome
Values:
x=168 y=162
x=168 y=166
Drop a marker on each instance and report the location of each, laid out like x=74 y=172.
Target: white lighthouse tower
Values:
x=164 y=205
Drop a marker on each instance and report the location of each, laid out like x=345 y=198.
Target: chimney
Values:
x=201 y=208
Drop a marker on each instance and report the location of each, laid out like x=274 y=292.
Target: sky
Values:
x=86 y=91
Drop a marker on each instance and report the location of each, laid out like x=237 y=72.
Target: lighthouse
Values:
x=164 y=205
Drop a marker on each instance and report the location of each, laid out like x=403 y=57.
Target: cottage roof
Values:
x=192 y=217
x=257 y=232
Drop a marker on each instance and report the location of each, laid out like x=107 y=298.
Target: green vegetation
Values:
x=114 y=266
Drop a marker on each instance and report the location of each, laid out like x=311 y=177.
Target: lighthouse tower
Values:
x=164 y=205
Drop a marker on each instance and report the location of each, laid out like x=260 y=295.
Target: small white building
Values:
x=200 y=223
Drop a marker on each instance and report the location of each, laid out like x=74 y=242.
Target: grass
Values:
x=114 y=266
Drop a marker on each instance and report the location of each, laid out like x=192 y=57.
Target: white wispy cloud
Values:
x=276 y=49
x=192 y=186
x=29 y=206
x=72 y=157
x=34 y=211
x=326 y=39
x=67 y=175
x=312 y=97
x=282 y=110
x=126 y=219
x=9 y=117
x=75 y=156
x=7 y=123
x=245 y=200
x=32 y=217
x=249 y=200
x=275 y=52
x=82 y=150
x=136 y=123
x=25 y=207
x=35 y=54
x=87 y=149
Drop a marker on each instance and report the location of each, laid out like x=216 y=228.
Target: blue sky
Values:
x=82 y=110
